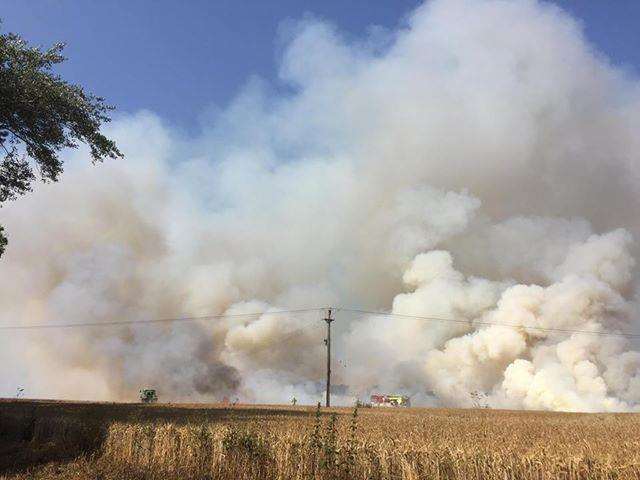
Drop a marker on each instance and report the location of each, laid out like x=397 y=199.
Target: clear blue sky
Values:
x=177 y=57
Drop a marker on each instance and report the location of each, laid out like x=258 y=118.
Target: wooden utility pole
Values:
x=327 y=342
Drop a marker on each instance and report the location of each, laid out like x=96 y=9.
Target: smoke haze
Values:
x=478 y=163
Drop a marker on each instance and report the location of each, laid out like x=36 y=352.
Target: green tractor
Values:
x=148 y=395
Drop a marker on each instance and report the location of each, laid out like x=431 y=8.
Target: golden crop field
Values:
x=60 y=440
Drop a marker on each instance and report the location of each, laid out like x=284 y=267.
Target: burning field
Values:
x=479 y=164
x=87 y=441
x=462 y=192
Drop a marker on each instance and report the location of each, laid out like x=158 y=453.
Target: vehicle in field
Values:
x=148 y=395
x=390 y=401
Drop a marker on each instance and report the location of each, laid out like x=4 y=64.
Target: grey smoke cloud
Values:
x=480 y=162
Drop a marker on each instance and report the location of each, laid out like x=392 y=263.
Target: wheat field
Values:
x=58 y=440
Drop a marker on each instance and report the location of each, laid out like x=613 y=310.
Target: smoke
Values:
x=479 y=163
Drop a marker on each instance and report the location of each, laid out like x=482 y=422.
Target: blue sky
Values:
x=177 y=58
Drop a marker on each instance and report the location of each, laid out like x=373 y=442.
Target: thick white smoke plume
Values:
x=479 y=163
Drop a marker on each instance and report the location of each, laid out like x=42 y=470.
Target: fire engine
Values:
x=390 y=401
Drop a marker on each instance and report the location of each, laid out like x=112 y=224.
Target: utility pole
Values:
x=327 y=342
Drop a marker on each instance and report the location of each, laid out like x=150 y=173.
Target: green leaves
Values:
x=16 y=176
x=3 y=240
x=41 y=114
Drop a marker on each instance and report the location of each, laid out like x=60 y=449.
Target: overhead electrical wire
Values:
x=483 y=323
x=316 y=309
x=151 y=321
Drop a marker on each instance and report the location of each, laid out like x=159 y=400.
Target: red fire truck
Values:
x=390 y=401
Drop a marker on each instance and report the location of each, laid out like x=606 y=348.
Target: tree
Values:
x=41 y=114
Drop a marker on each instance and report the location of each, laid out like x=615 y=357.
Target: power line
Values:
x=479 y=322
x=151 y=321
x=304 y=310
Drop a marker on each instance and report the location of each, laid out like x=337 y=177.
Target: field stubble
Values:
x=102 y=441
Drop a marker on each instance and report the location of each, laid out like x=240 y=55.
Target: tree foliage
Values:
x=41 y=114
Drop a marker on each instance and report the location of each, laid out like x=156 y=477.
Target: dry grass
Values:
x=126 y=441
